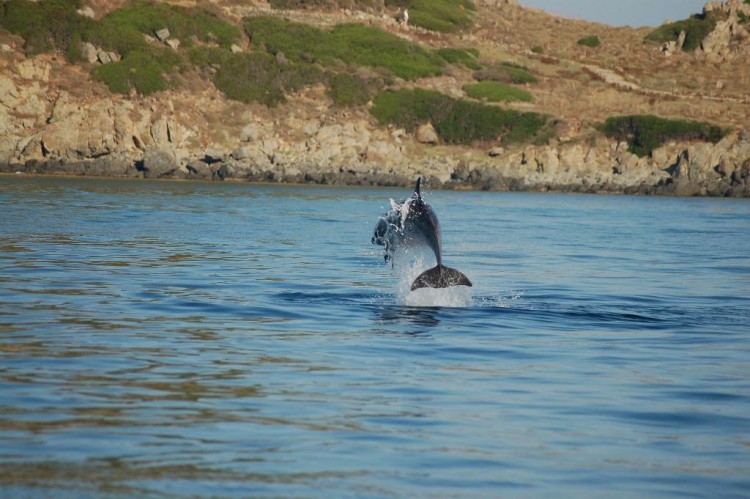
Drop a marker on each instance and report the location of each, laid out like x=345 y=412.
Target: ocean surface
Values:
x=168 y=339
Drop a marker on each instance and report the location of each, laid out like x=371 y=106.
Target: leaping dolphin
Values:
x=413 y=222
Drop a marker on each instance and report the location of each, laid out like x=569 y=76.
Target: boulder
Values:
x=158 y=162
x=103 y=57
x=426 y=134
x=86 y=12
x=162 y=34
x=89 y=52
x=199 y=170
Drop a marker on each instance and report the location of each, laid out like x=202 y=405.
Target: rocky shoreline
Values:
x=700 y=169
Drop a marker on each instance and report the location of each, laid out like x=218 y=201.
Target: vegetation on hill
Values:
x=465 y=57
x=144 y=67
x=345 y=43
x=507 y=72
x=456 y=121
x=44 y=26
x=644 y=133
x=254 y=76
x=438 y=15
x=590 y=41
x=696 y=28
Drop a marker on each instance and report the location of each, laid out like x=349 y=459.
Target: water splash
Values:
x=408 y=265
x=510 y=298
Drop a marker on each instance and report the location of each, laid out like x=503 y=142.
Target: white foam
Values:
x=456 y=296
x=409 y=268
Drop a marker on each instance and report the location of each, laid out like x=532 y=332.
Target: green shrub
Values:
x=468 y=122
x=507 y=72
x=148 y=17
x=590 y=41
x=644 y=133
x=696 y=28
x=73 y=50
x=44 y=26
x=456 y=121
x=411 y=108
x=255 y=76
x=347 y=90
x=348 y=43
x=438 y=15
x=537 y=49
x=467 y=57
x=138 y=70
x=494 y=91
x=376 y=48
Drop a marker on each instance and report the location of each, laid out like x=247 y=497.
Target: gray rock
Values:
x=158 y=162
x=199 y=170
x=681 y=39
x=86 y=12
x=162 y=34
x=245 y=152
x=89 y=52
x=103 y=57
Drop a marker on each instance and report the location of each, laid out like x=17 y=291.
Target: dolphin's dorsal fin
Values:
x=417 y=188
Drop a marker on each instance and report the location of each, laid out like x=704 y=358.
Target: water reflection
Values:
x=408 y=316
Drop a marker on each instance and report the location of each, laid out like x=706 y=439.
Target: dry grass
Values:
x=681 y=86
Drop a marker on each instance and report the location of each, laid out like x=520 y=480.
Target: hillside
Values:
x=485 y=95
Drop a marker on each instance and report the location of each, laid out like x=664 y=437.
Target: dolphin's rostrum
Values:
x=413 y=222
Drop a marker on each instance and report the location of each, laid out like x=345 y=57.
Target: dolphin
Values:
x=414 y=222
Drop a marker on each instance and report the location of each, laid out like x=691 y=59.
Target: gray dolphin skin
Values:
x=413 y=222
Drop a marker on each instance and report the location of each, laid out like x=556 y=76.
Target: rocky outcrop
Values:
x=731 y=35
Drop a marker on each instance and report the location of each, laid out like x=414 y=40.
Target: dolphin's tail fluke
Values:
x=440 y=277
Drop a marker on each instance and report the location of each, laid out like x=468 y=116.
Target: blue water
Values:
x=235 y=340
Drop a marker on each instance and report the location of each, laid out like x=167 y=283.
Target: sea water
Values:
x=219 y=340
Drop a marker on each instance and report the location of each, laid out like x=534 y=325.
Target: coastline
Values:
x=699 y=169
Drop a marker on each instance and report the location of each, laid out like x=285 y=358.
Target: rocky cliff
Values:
x=55 y=120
